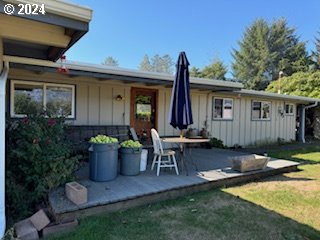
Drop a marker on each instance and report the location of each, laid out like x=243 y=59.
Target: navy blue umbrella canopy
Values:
x=180 y=112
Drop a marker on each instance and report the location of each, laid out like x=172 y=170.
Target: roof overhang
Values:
x=284 y=97
x=105 y=73
x=45 y=36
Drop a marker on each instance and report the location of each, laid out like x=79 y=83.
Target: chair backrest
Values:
x=134 y=134
x=157 y=146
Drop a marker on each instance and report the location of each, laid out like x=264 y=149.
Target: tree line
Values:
x=265 y=50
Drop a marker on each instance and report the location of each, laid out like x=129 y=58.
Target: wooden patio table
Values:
x=182 y=142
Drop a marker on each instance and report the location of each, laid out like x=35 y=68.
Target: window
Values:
x=31 y=97
x=289 y=109
x=261 y=110
x=222 y=108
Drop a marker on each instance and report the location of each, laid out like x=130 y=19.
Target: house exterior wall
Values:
x=96 y=105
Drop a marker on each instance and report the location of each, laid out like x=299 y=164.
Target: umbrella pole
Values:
x=181 y=133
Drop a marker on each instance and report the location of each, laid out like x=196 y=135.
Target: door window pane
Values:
x=143 y=108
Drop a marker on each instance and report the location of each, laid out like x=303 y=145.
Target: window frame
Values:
x=285 y=109
x=223 y=105
x=261 y=112
x=44 y=99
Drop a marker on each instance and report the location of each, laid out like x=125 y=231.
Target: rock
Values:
x=76 y=193
x=59 y=228
x=39 y=220
x=25 y=230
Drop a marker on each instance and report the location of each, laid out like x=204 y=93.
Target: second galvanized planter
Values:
x=130 y=161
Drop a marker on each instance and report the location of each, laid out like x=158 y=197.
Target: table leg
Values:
x=183 y=157
x=191 y=159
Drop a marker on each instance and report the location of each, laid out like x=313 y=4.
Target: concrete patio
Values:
x=214 y=170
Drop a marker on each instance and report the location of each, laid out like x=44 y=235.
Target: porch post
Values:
x=302 y=123
x=3 y=80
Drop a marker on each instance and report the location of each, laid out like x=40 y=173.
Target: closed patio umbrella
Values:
x=180 y=112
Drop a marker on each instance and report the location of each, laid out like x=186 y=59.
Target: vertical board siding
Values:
x=105 y=105
x=81 y=104
x=118 y=116
x=94 y=105
x=244 y=131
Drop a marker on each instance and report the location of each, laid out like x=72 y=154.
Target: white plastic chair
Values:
x=159 y=154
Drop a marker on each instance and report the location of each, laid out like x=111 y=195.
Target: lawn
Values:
x=282 y=207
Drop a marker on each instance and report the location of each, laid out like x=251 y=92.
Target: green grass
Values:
x=304 y=155
x=281 y=207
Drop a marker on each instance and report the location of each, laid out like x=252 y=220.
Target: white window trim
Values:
x=44 y=86
x=289 y=114
x=213 y=108
x=260 y=117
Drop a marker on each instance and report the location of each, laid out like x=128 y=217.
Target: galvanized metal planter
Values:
x=130 y=161
x=103 y=161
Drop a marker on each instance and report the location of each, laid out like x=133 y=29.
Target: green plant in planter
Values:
x=131 y=144
x=103 y=139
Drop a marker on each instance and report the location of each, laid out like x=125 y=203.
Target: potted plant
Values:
x=103 y=158
x=130 y=155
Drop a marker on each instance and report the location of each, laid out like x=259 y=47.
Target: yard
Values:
x=282 y=207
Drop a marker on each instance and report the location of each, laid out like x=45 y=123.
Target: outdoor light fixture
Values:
x=120 y=98
x=63 y=68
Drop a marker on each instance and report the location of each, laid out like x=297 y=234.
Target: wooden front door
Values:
x=143 y=112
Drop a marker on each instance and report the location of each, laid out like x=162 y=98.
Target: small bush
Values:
x=217 y=143
x=38 y=160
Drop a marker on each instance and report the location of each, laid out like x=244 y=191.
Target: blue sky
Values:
x=204 y=29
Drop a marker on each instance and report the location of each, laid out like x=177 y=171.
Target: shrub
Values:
x=38 y=160
x=214 y=142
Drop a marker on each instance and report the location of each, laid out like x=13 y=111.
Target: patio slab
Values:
x=214 y=170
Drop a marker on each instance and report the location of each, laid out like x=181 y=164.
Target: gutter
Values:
x=3 y=80
x=312 y=105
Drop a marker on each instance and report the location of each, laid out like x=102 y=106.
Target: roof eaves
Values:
x=277 y=96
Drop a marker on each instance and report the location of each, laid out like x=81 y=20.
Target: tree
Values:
x=195 y=72
x=251 y=60
x=162 y=64
x=145 y=65
x=300 y=84
x=265 y=50
x=110 y=61
x=315 y=56
x=216 y=70
x=156 y=63
x=166 y=64
x=287 y=53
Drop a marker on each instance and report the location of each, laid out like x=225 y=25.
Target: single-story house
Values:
x=100 y=95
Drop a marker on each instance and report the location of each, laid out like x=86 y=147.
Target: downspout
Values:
x=3 y=80
x=302 y=120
